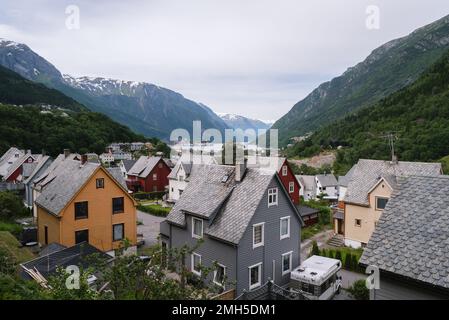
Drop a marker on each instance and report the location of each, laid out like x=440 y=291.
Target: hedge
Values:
x=154 y=210
x=149 y=195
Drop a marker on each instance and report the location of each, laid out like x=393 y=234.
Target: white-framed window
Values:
x=220 y=275
x=258 y=235
x=381 y=203
x=287 y=262
x=272 y=197
x=196 y=263
x=197 y=228
x=255 y=276
x=155 y=177
x=285 y=228
x=291 y=187
x=284 y=171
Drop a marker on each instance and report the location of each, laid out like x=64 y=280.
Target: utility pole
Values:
x=391 y=137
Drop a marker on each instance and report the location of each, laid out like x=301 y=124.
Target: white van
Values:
x=317 y=278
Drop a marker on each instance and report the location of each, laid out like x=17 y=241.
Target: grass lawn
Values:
x=10 y=243
x=309 y=232
x=12 y=227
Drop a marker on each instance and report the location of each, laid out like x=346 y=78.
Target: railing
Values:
x=271 y=291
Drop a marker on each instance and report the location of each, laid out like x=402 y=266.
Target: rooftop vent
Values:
x=225 y=179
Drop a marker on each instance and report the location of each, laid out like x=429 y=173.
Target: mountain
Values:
x=36 y=117
x=417 y=116
x=239 y=122
x=15 y=89
x=386 y=70
x=146 y=108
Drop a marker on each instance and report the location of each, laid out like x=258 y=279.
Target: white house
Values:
x=8 y=159
x=308 y=187
x=178 y=180
x=107 y=157
x=120 y=155
x=327 y=185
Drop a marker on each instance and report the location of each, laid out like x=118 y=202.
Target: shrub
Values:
x=359 y=290
x=11 y=206
x=355 y=264
x=348 y=261
x=331 y=254
x=324 y=253
x=315 y=249
x=324 y=216
x=149 y=195
x=338 y=255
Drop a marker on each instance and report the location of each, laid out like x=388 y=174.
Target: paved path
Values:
x=321 y=239
x=150 y=228
x=349 y=277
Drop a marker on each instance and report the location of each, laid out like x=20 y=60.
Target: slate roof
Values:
x=117 y=174
x=52 y=171
x=28 y=168
x=273 y=163
x=19 y=162
x=368 y=172
x=38 y=167
x=308 y=182
x=77 y=255
x=412 y=236
x=327 y=180
x=343 y=181
x=143 y=167
x=307 y=211
x=229 y=205
x=70 y=177
x=187 y=169
x=128 y=164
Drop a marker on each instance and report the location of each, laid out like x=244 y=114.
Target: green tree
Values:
x=348 y=261
x=315 y=249
x=338 y=255
x=359 y=290
x=11 y=206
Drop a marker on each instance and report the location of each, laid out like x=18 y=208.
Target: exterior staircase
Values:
x=337 y=241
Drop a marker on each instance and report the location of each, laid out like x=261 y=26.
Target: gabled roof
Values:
x=411 y=238
x=118 y=176
x=70 y=178
x=308 y=182
x=143 y=167
x=11 y=152
x=327 y=180
x=128 y=164
x=37 y=168
x=19 y=162
x=187 y=167
x=343 y=181
x=77 y=255
x=226 y=204
x=52 y=171
x=307 y=211
x=367 y=173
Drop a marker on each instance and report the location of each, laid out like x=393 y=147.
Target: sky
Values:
x=256 y=58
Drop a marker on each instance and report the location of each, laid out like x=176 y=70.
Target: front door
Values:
x=341 y=226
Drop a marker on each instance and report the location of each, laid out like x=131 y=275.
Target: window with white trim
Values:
x=155 y=177
x=258 y=235
x=287 y=262
x=255 y=276
x=284 y=171
x=381 y=203
x=220 y=275
x=285 y=228
x=197 y=228
x=196 y=263
x=291 y=187
x=272 y=197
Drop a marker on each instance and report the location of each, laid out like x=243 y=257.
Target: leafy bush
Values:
x=359 y=290
x=315 y=250
x=348 y=261
x=11 y=206
x=338 y=255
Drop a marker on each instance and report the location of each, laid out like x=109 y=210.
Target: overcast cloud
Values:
x=251 y=57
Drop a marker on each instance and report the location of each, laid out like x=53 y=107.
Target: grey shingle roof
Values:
x=116 y=173
x=187 y=169
x=19 y=162
x=28 y=168
x=307 y=211
x=343 y=181
x=69 y=179
x=129 y=164
x=327 y=180
x=38 y=167
x=368 y=172
x=412 y=236
x=52 y=171
x=231 y=205
x=308 y=182
x=143 y=167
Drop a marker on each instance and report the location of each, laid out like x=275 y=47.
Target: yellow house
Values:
x=370 y=185
x=86 y=203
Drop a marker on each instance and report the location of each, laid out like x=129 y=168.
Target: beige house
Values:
x=369 y=188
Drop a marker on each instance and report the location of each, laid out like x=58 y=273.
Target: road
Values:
x=150 y=228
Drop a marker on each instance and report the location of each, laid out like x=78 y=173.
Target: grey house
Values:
x=31 y=171
x=410 y=245
x=249 y=225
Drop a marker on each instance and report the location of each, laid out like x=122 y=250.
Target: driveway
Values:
x=150 y=228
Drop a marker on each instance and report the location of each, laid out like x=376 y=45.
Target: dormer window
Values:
x=197 y=228
x=272 y=197
x=381 y=203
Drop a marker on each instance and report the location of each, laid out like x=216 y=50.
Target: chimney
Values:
x=43 y=153
x=83 y=159
x=240 y=169
x=66 y=153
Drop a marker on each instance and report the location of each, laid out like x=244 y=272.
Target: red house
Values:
x=284 y=171
x=148 y=174
x=15 y=172
x=289 y=180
